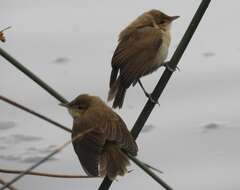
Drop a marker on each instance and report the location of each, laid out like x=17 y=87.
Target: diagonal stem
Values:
x=31 y=75
x=9 y=187
x=23 y=173
x=7 y=100
x=149 y=172
x=164 y=78
x=173 y=64
x=13 y=103
x=5 y=29
x=157 y=91
x=43 y=174
x=35 y=78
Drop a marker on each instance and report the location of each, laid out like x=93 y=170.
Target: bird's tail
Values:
x=113 y=76
x=113 y=161
x=117 y=92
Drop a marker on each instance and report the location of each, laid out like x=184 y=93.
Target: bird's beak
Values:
x=64 y=105
x=172 y=18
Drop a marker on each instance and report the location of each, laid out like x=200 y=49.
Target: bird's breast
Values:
x=160 y=56
x=162 y=53
x=163 y=49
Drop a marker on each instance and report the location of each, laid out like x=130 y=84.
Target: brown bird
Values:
x=99 y=151
x=142 y=49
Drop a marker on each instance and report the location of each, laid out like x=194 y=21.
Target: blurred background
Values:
x=192 y=137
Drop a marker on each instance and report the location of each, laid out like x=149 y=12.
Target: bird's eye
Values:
x=81 y=107
x=162 y=22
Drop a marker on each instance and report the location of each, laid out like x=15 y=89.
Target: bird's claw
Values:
x=170 y=68
x=151 y=99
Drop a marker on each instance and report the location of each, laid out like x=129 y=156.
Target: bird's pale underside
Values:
x=143 y=47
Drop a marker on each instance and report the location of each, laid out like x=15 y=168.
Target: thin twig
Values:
x=31 y=75
x=173 y=64
x=153 y=168
x=5 y=29
x=157 y=91
x=34 y=77
x=24 y=108
x=149 y=172
x=43 y=160
x=43 y=174
x=7 y=100
x=3 y=183
x=142 y=118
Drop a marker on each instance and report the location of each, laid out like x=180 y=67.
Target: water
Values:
x=69 y=44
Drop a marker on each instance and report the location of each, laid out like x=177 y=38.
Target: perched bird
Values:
x=99 y=150
x=142 y=48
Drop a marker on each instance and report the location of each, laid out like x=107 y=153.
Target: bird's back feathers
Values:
x=107 y=127
x=134 y=57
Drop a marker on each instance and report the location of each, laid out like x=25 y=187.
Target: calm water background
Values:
x=193 y=136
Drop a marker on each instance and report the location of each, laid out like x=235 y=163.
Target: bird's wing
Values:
x=109 y=127
x=88 y=148
x=135 y=55
x=115 y=130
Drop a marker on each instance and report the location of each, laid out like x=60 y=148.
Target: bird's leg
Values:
x=147 y=94
x=134 y=83
x=166 y=64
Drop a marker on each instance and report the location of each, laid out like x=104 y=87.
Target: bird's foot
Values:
x=170 y=68
x=151 y=99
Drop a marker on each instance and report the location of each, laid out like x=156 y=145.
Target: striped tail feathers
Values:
x=113 y=90
x=119 y=98
x=117 y=92
x=113 y=76
x=113 y=161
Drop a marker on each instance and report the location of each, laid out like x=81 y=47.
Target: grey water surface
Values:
x=192 y=137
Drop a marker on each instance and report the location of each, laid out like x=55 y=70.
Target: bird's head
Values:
x=161 y=19
x=79 y=105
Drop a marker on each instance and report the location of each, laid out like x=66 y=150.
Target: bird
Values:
x=142 y=48
x=100 y=149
